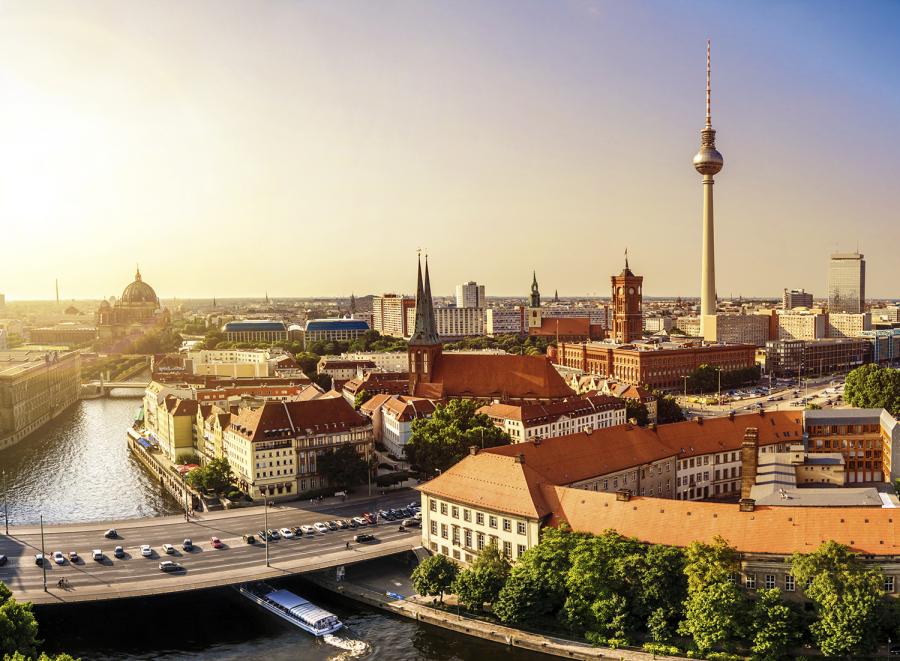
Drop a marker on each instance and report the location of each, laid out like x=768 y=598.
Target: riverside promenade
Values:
x=372 y=588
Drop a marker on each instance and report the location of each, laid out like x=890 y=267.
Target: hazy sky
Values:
x=305 y=148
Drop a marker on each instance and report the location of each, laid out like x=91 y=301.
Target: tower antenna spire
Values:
x=708 y=113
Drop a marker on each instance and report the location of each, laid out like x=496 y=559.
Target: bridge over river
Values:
x=205 y=567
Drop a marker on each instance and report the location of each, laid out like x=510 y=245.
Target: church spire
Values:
x=425 y=330
x=535 y=292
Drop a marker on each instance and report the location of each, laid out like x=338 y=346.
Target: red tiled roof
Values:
x=563 y=326
x=288 y=419
x=497 y=376
x=540 y=414
x=406 y=409
x=375 y=402
x=492 y=482
x=771 y=530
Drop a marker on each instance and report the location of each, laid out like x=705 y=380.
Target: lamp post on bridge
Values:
x=43 y=555
x=266 y=526
x=5 y=503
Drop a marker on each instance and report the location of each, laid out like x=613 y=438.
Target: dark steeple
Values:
x=535 y=292
x=425 y=330
x=352 y=304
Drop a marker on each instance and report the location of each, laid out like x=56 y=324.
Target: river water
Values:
x=78 y=468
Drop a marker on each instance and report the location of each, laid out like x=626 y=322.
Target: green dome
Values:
x=139 y=292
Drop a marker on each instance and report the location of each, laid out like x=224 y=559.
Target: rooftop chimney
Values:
x=520 y=458
x=747 y=504
x=623 y=495
x=731 y=415
x=537 y=441
x=699 y=419
x=749 y=461
x=473 y=449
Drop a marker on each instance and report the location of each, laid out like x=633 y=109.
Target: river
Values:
x=78 y=468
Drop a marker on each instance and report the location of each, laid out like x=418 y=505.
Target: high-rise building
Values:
x=847 y=283
x=708 y=162
x=628 y=323
x=796 y=298
x=389 y=314
x=470 y=295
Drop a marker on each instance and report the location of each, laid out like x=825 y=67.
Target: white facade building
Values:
x=470 y=295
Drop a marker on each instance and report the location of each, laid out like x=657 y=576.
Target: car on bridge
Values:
x=112 y=533
x=170 y=566
x=364 y=537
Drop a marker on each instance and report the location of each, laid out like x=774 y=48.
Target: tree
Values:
x=536 y=586
x=215 y=476
x=19 y=656
x=361 y=398
x=481 y=582
x=847 y=595
x=872 y=386
x=343 y=467
x=714 y=601
x=434 y=576
x=323 y=380
x=307 y=362
x=438 y=442
x=772 y=627
x=667 y=409
x=18 y=626
x=636 y=410
x=662 y=590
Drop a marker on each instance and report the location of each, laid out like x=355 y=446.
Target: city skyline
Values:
x=518 y=137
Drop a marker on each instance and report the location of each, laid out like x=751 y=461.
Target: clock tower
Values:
x=628 y=320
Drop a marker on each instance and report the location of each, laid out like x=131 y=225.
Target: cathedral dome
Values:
x=139 y=292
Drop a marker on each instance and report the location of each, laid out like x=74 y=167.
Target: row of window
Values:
x=769 y=582
x=492 y=520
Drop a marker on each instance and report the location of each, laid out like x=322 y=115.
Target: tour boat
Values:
x=296 y=610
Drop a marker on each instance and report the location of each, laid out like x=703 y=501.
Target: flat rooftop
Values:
x=776 y=485
x=16 y=363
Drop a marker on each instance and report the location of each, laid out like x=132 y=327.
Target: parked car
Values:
x=351 y=523
x=169 y=566
x=287 y=533
x=308 y=530
x=187 y=545
x=73 y=557
x=169 y=549
x=341 y=524
x=364 y=537
x=273 y=533
x=97 y=555
x=360 y=521
x=263 y=536
x=411 y=523
x=321 y=527
x=59 y=558
x=216 y=543
x=111 y=533
x=332 y=525
x=119 y=552
x=146 y=551
x=249 y=539
x=39 y=559
x=298 y=531
x=3 y=559
x=368 y=516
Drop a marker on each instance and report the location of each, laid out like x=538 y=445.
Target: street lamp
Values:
x=5 y=503
x=43 y=555
x=184 y=489
x=266 y=526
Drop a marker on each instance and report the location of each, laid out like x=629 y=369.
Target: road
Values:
x=205 y=566
x=814 y=389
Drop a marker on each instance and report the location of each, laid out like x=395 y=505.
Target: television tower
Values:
x=708 y=162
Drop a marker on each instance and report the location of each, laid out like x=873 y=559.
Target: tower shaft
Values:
x=708 y=257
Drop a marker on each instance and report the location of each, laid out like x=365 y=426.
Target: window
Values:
x=520 y=527
x=479 y=518
x=434 y=527
x=507 y=549
x=467 y=515
x=480 y=540
x=520 y=550
x=750 y=581
x=454 y=512
x=492 y=521
x=468 y=538
x=507 y=525
x=443 y=508
x=888 y=584
x=444 y=530
x=770 y=581
x=789 y=583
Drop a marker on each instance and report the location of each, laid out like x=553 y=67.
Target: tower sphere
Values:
x=708 y=160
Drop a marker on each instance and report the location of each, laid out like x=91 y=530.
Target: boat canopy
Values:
x=302 y=609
